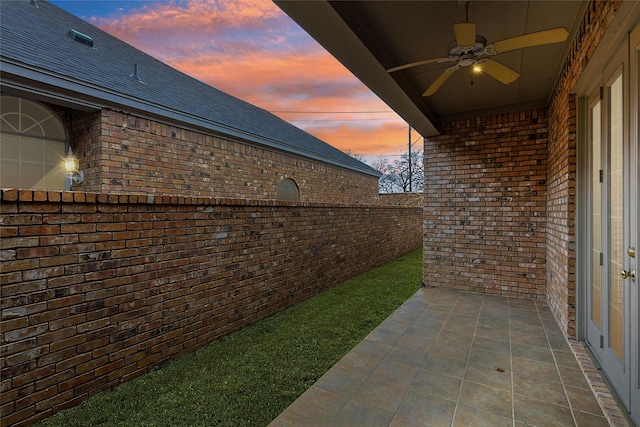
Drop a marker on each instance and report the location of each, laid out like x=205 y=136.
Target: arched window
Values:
x=32 y=146
x=288 y=190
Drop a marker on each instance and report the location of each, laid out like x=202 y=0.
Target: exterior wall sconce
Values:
x=74 y=175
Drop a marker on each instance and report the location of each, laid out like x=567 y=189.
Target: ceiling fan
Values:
x=471 y=49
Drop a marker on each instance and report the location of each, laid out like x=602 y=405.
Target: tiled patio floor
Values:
x=446 y=358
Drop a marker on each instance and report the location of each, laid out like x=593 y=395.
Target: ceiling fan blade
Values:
x=415 y=64
x=439 y=81
x=465 y=33
x=554 y=35
x=500 y=72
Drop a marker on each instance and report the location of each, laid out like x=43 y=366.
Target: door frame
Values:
x=634 y=159
x=624 y=30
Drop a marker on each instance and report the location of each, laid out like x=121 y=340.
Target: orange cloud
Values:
x=253 y=51
x=386 y=139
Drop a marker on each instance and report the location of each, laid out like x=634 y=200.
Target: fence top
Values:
x=43 y=196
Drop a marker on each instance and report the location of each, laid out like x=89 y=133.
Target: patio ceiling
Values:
x=369 y=37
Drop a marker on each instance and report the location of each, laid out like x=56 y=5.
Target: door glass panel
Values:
x=616 y=220
x=596 y=216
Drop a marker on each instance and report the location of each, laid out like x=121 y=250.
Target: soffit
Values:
x=369 y=37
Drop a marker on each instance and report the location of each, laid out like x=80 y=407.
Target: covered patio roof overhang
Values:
x=371 y=37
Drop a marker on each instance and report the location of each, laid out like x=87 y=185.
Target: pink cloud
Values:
x=195 y=17
x=253 y=51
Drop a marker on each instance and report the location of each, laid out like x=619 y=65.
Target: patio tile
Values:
x=489 y=399
x=524 y=313
x=405 y=356
x=524 y=327
x=467 y=309
x=435 y=384
x=433 y=410
x=460 y=324
x=539 y=340
x=319 y=404
x=491 y=344
x=557 y=343
x=341 y=381
x=416 y=342
x=416 y=302
x=432 y=364
x=565 y=358
x=292 y=419
x=359 y=414
x=556 y=340
x=522 y=304
x=423 y=331
x=540 y=389
x=388 y=333
x=404 y=317
x=373 y=348
x=493 y=322
x=439 y=365
x=446 y=362
x=490 y=301
x=468 y=416
x=394 y=372
x=501 y=334
x=439 y=308
x=542 y=354
x=539 y=413
x=455 y=340
x=431 y=320
x=481 y=358
x=407 y=314
x=573 y=377
x=359 y=362
x=590 y=420
x=402 y=421
x=546 y=314
x=528 y=369
x=584 y=402
x=382 y=394
x=492 y=377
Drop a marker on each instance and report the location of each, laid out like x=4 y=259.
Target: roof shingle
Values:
x=35 y=45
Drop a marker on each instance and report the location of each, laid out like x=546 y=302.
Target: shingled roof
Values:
x=55 y=56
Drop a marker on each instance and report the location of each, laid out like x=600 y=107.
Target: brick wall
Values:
x=124 y=153
x=401 y=199
x=100 y=288
x=561 y=197
x=484 y=205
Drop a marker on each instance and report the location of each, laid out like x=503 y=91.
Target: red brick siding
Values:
x=484 y=205
x=561 y=190
x=148 y=156
x=100 y=288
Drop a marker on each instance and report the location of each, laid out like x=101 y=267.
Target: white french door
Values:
x=613 y=302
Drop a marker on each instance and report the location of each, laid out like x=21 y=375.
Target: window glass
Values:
x=32 y=146
x=288 y=190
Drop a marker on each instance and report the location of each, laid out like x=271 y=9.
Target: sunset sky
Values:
x=254 y=51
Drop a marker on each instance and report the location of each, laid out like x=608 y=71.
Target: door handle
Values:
x=625 y=274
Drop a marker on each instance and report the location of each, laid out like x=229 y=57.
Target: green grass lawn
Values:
x=248 y=378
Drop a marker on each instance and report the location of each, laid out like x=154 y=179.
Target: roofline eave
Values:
x=91 y=97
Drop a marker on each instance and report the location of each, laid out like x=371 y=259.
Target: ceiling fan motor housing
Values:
x=456 y=51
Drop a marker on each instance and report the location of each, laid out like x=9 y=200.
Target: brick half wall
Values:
x=100 y=288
